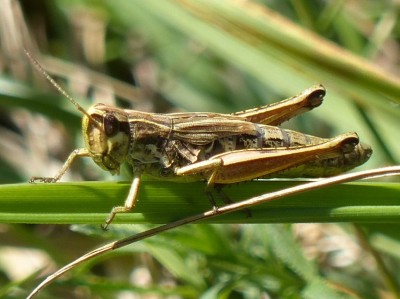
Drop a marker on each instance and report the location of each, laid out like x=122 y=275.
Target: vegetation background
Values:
x=203 y=55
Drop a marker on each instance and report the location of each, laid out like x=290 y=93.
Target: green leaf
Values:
x=162 y=202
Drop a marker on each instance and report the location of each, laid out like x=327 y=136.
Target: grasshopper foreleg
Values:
x=81 y=152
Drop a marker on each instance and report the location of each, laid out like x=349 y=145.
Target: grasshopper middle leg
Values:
x=130 y=201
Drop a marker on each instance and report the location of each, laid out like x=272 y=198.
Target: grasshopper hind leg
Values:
x=223 y=197
x=227 y=200
x=212 y=201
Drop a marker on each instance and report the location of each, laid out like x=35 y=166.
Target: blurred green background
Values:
x=203 y=55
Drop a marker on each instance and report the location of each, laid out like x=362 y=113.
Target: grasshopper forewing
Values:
x=217 y=148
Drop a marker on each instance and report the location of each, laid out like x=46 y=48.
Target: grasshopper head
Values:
x=106 y=138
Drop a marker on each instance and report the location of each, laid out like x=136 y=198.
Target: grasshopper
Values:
x=217 y=148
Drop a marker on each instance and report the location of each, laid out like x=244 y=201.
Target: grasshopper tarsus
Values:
x=108 y=221
x=34 y=179
x=111 y=216
x=212 y=201
x=104 y=226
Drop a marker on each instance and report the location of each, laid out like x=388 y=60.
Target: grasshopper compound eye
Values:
x=111 y=125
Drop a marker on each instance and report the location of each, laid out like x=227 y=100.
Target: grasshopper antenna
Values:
x=60 y=89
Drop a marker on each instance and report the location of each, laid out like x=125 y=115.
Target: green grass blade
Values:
x=162 y=202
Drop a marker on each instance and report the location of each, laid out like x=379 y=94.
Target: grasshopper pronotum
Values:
x=217 y=148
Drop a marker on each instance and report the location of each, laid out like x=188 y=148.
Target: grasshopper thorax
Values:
x=107 y=136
